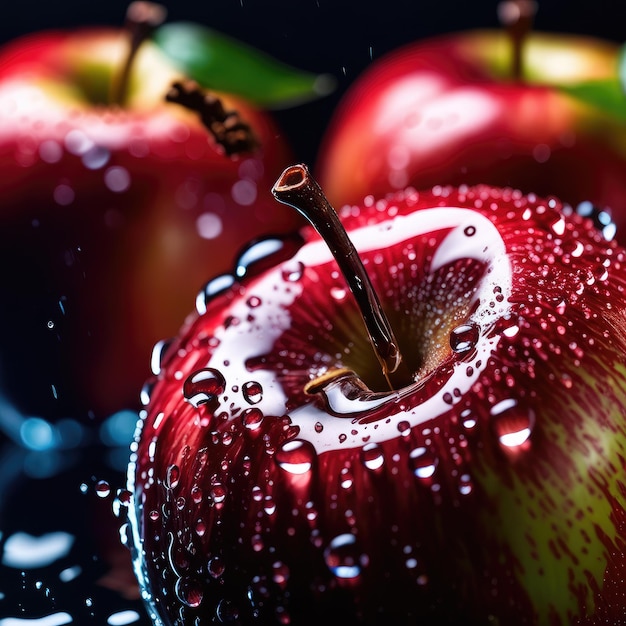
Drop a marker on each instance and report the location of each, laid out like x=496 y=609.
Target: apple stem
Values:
x=227 y=128
x=297 y=188
x=517 y=16
x=141 y=20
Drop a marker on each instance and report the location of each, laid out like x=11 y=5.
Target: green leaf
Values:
x=607 y=95
x=216 y=61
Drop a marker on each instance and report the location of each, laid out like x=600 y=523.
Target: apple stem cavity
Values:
x=142 y=18
x=517 y=16
x=228 y=129
x=297 y=188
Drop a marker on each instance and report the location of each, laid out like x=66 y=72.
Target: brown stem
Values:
x=227 y=127
x=297 y=188
x=517 y=16
x=141 y=20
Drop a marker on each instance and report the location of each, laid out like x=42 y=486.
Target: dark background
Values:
x=40 y=493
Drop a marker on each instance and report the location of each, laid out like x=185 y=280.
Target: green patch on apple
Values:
x=218 y=62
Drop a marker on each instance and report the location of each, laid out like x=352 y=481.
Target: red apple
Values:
x=453 y=109
x=113 y=214
x=278 y=476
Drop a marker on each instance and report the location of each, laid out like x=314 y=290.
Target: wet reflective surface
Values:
x=61 y=506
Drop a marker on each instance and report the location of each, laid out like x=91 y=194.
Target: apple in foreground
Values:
x=541 y=112
x=439 y=440
x=113 y=210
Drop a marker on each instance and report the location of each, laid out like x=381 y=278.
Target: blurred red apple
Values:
x=541 y=112
x=115 y=208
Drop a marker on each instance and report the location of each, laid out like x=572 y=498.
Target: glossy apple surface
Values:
x=448 y=110
x=112 y=216
x=277 y=479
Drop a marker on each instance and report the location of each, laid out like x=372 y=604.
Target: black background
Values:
x=334 y=36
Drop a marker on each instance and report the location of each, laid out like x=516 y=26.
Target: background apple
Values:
x=106 y=205
x=450 y=110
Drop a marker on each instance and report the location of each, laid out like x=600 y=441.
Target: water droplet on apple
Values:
x=296 y=456
x=158 y=352
x=216 y=566
x=227 y=611
x=512 y=423
x=423 y=463
x=252 y=418
x=252 y=392
x=372 y=456
x=203 y=386
x=172 y=476
x=404 y=428
x=343 y=557
x=189 y=592
x=212 y=289
x=293 y=272
x=464 y=338
x=266 y=253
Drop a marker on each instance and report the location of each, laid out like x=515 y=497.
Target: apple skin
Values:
x=491 y=491
x=446 y=110
x=110 y=216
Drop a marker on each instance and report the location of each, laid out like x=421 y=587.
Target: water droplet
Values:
x=216 y=566
x=252 y=392
x=172 y=476
x=218 y=493
x=319 y=427
x=103 y=489
x=372 y=456
x=158 y=352
x=280 y=573
x=423 y=462
x=512 y=423
x=404 y=428
x=203 y=386
x=296 y=456
x=469 y=231
x=211 y=290
x=252 y=418
x=189 y=592
x=227 y=611
x=338 y=293
x=293 y=272
x=343 y=557
x=464 y=338
x=266 y=253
